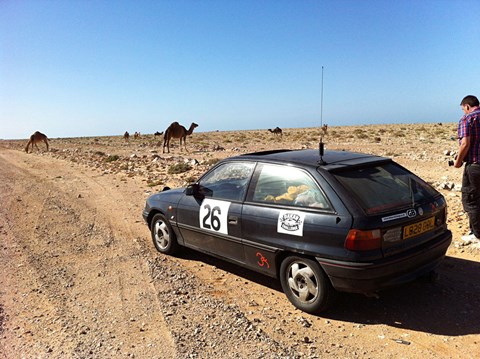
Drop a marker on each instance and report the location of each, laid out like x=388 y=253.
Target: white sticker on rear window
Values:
x=410 y=214
x=395 y=216
x=291 y=222
x=213 y=215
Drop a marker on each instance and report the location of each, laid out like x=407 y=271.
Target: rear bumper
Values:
x=370 y=277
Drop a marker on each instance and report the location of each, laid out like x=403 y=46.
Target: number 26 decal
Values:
x=213 y=215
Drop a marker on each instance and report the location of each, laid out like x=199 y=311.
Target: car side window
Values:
x=227 y=181
x=289 y=186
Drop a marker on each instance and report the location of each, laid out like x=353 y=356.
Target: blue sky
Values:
x=91 y=68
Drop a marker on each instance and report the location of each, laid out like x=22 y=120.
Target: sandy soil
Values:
x=81 y=278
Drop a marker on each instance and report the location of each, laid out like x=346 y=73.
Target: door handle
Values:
x=233 y=219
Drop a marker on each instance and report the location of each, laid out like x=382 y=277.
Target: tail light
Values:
x=358 y=240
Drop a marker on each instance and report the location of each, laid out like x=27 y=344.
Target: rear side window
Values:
x=385 y=187
x=288 y=186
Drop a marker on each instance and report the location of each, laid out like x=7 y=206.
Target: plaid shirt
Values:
x=469 y=126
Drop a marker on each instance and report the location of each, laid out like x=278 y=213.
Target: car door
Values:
x=209 y=218
x=286 y=209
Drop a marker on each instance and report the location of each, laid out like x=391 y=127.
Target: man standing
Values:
x=469 y=152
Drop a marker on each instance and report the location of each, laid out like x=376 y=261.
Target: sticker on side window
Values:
x=291 y=222
x=213 y=215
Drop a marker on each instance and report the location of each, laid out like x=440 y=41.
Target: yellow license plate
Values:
x=418 y=228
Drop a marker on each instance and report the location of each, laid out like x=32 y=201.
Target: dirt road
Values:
x=81 y=279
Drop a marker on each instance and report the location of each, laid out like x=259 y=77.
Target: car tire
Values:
x=306 y=285
x=162 y=235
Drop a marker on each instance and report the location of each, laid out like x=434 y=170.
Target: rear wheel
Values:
x=306 y=285
x=162 y=235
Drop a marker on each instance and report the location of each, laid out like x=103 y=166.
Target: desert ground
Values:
x=81 y=277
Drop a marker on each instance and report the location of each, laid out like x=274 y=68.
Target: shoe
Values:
x=470 y=238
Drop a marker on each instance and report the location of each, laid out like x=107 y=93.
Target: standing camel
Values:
x=175 y=130
x=324 y=130
x=35 y=138
x=276 y=131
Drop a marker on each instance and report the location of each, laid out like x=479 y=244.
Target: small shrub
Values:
x=179 y=168
x=360 y=134
x=112 y=158
x=155 y=183
x=190 y=179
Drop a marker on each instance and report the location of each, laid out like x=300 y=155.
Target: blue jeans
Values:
x=471 y=196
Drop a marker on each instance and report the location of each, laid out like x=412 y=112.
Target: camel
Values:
x=276 y=131
x=126 y=136
x=175 y=130
x=158 y=133
x=136 y=135
x=35 y=138
x=324 y=129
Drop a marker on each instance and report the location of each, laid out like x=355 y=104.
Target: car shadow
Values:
x=229 y=267
x=446 y=306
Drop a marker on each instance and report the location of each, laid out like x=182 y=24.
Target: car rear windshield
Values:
x=385 y=187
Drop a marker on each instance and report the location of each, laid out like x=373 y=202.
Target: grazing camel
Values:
x=126 y=136
x=158 y=133
x=276 y=131
x=175 y=130
x=35 y=138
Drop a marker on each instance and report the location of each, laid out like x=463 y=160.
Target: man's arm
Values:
x=462 y=151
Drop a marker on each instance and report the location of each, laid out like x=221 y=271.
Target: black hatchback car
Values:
x=345 y=221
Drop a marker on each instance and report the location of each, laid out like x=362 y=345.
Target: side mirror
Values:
x=192 y=189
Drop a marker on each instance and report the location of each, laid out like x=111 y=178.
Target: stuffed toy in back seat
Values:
x=290 y=195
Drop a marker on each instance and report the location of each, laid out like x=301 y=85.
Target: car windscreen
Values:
x=384 y=187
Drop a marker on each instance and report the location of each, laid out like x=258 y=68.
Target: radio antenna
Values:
x=320 y=145
x=321 y=103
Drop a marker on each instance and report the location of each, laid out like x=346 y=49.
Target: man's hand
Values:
x=462 y=151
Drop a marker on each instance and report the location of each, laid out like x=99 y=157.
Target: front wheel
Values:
x=306 y=285
x=162 y=235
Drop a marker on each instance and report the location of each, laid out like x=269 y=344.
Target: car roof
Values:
x=331 y=160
